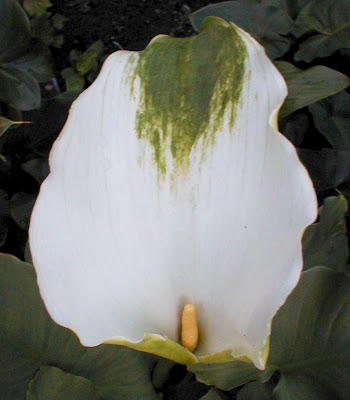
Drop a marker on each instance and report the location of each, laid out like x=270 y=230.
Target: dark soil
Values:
x=130 y=24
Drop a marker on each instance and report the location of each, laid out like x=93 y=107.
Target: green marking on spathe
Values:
x=187 y=86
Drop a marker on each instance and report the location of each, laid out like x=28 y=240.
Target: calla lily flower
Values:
x=171 y=185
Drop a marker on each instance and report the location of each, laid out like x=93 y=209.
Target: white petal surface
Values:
x=120 y=243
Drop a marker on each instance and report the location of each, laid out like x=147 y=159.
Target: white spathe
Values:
x=119 y=250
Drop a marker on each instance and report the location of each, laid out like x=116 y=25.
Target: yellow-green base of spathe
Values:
x=167 y=348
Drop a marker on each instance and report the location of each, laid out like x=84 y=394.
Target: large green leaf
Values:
x=310 y=343
x=332 y=118
x=311 y=340
x=328 y=168
x=22 y=63
x=330 y=20
x=267 y=23
x=14 y=29
x=161 y=372
x=255 y=391
x=325 y=242
x=36 y=61
x=19 y=89
x=226 y=376
x=290 y=7
x=29 y=340
x=54 y=384
x=307 y=87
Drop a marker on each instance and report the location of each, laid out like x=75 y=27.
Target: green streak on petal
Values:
x=187 y=87
x=156 y=344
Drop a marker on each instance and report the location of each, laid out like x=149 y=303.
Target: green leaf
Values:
x=255 y=391
x=4 y=213
x=58 y=41
x=211 y=395
x=332 y=118
x=325 y=242
x=72 y=80
x=227 y=376
x=47 y=122
x=58 y=21
x=29 y=339
x=54 y=384
x=266 y=23
x=307 y=87
x=5 y=124
x=310 y=343
x=330 y=20
x=67 y=98
x=294 y=386
x=328 y=168
x=87 y=61
x=161 y=372
x=294 y=127
x=43 y=29
x=74 y=55
x=290 y=7
x=27 y=255
x=38 y=168
x=36 y=61
x=36 y=8
x=19 y=89
x=14 y=29
x=21 y=206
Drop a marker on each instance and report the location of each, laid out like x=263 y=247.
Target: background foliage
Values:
x=49 y=52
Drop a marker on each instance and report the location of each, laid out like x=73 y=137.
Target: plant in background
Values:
x=29 y=90
x=25 y=67
x=84 y=64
